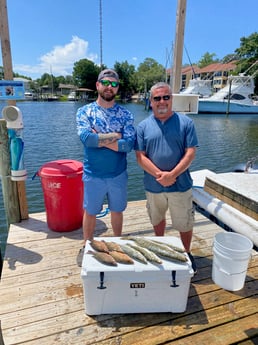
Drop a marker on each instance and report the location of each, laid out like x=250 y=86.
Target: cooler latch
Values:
x=174 y=284
x=101 y=281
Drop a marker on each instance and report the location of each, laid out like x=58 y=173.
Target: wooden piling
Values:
x=14 y=192
x=9 y=187
x=178 y=48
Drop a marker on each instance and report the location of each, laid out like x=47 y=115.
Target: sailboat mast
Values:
x=178 y=48
x=100 y=32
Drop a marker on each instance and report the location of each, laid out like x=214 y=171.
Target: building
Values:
x=217 y=72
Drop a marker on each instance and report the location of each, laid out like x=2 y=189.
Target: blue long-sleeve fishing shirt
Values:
x=92 y=119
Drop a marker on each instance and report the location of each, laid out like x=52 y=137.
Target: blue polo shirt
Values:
x=165 y=143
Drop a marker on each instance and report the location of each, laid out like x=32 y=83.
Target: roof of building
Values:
x=66 y=86
x=214 y=67
x=218 y=67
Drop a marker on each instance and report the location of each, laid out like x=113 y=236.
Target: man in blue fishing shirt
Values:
x=107 y=132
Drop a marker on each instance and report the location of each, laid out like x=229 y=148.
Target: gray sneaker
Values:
x=80 y=257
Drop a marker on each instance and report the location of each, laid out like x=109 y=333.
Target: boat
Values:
x=52 y=98
x=201 y=87
x=28 y=96
x=72 y=96
x=235 y=98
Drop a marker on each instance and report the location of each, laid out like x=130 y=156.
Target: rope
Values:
x=103 y=213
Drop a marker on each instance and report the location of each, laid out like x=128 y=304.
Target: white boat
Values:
x=234 y=98
x=201 y=87
x=72 y=96
x=28 y=96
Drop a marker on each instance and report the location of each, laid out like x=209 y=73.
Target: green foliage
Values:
x=85 y=74
x=149 y=72
x=229 y=58
x=17 y=75
x=207 y=59
x=248 y=53
x=126 y=74
x=248 y=47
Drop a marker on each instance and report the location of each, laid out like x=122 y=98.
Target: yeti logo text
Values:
x=54 y=185
x=137 y=285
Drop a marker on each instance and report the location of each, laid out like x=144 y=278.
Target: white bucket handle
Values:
x=227 y=273
x=229 y=258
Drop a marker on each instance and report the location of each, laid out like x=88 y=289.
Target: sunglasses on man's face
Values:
x=158 y=98
x=108 y=82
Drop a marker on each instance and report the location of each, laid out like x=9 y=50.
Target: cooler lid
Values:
x=62 y=167
x=90 y=265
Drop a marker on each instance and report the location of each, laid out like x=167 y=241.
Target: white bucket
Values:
x=231 y=254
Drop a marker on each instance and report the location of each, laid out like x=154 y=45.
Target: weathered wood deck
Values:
x=42 y=298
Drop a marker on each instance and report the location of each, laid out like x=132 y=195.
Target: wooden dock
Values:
x=42 y=297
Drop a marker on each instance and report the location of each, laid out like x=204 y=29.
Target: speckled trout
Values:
x=134 y=254
x=149 y=255
x=159 y=249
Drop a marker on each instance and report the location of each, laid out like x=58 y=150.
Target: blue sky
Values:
x=50 y=35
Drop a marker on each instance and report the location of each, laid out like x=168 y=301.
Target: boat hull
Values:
x=216 y=107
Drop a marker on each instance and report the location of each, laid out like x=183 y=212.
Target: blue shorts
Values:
x=96 y=189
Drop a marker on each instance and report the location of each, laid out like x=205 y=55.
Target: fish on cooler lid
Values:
x=121 y=258
x=149 y=255
x=134 y=254
x=103 y=258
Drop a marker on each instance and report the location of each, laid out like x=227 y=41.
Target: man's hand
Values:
x=166 y=178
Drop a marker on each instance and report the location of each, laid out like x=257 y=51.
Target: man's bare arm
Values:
x=108 y=138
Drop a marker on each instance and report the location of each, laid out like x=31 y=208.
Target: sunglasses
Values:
x=108 y=82
x=158 y=98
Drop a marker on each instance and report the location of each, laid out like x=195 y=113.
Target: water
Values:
x=50 y=134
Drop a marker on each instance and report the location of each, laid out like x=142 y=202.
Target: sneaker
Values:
x=80 y=257
x=193 y=262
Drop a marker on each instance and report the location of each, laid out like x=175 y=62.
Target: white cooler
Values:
x=137 y=288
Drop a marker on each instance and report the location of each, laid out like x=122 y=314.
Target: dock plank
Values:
x=42 y=295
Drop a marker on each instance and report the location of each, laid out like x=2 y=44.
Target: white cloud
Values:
x=60 y=60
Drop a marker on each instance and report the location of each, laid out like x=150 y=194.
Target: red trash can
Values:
x=62 y=186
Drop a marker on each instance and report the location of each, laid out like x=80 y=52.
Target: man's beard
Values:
x=162 y=110
x=107 y=97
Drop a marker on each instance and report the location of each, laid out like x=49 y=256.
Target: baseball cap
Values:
x=108 y=73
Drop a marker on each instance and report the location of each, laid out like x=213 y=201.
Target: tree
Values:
x=60 y=79
x=149 y=72
x=126 y=74
x=248 y=47
x=85 y=74
x=248 y=53
x=207 y=59
x=229 y=58
x=69 y=79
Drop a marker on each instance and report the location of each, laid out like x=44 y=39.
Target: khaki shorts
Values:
x=179 y=204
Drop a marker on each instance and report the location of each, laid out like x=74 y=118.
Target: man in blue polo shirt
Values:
x=107 y=132
x=165 y=148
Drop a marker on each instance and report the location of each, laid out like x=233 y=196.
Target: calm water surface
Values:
x=50 y=134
